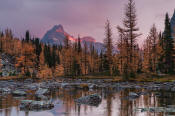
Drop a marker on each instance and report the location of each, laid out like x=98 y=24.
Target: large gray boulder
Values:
x=19 y=93
x=41 y=91
x=5 y=90
x=93 y=100
x=132 y=95
x=36 y=105
x=42 y=97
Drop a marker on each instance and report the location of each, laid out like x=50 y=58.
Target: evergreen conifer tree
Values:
x=108 y=46
x=168 y=47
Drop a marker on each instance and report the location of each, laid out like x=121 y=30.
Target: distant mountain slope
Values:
x=56 y=36
x=91 y=41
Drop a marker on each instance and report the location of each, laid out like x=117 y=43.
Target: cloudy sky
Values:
x=84 y=17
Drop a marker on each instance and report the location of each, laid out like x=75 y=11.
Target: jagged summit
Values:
x=55 y=35
x=58 y=28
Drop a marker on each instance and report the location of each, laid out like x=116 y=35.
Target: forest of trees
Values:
x=35 y=59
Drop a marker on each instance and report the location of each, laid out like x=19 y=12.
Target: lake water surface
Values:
x=114 y=103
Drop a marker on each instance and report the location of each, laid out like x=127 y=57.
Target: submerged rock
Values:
x=93 y=86
x=19 y=93
x=36 y=105
x=42 y=97
x=5 y=90
x=133 y=95
x=25 y=103
x=33 y=86
x=93 y=100
x=41 y=91
x=157 y=109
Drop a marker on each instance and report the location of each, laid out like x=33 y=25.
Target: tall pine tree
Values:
x=130 y=35
x=108 y=46
x=79 y=45
x=27 y=36
x=168 y=47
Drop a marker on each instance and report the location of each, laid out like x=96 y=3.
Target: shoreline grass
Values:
x=138 y=78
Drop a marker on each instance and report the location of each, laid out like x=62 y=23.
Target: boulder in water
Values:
x=93 y=100
x=41 y=91
x=36 y=105
x=133 y=95
x=19 y=93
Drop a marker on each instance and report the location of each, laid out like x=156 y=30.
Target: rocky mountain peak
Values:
x=58 y=28
x=57 y=35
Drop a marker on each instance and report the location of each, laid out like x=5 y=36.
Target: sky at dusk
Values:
x=84 y=17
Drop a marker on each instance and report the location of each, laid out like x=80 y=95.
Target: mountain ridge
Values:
x=57 y=35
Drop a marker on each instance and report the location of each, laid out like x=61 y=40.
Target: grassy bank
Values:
x=9 y=78
x=148 y=78
x=138 y=78
x=155 y=78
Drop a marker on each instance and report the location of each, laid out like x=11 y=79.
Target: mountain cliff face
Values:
x=56 y=36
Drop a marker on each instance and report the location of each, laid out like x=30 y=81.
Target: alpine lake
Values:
x=116 y=98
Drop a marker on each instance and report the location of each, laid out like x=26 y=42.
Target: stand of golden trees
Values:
x=35 y=59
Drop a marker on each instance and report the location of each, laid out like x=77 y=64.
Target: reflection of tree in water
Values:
x=108 y=95
x=7 y=104
x=68 y=96
x=69 y=99
x=165 y=98
x=127 y=106
x=109 y=104
x=79 y=106
x=26 y=113
x=1 y=106
x=150 y=100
